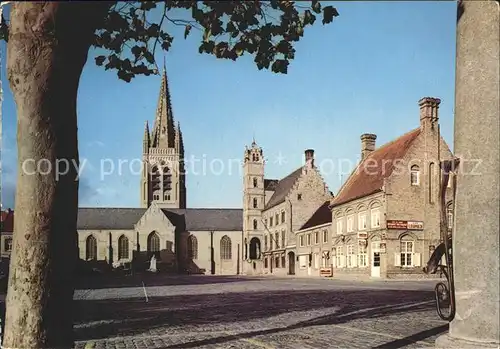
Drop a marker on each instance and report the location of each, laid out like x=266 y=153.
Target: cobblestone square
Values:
x=251 y=312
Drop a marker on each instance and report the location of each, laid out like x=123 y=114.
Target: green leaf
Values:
x=186 y=31
x=280 y=66
x=329 y=13
x=149 y=57
x=309 y=18
x=99 y=60
x=316 y=6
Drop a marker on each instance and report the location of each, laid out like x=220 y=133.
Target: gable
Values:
x=155 y=214
x=368 y=178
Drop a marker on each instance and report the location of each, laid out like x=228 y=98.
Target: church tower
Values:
x=163 y=178
x=253 y=206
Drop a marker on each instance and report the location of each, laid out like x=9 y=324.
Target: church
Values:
x=201 y=240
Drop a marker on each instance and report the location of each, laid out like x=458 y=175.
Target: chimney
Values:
x=429 y=108
x=367 y=144
x=309 y=153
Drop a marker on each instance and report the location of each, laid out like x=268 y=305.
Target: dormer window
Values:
x=415 y=175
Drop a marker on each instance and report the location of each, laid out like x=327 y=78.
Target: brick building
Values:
x=385 y=218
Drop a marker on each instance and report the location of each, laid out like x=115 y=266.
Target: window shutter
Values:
x=416 y=260
x=397 y=259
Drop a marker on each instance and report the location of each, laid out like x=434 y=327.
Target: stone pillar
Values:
x=476 y=231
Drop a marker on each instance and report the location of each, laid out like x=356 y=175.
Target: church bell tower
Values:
x=163 y=179
x=253 y=206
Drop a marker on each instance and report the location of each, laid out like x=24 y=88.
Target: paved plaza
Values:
x=251 y=312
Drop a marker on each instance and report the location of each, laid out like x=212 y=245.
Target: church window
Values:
x=299 y=196
x=254 y=224
x=415 y=175
x=255 y=182
x=153 y=243
x=225 y=248
x=123 y=247
x=156 y=197
x=91 y=248
x=192 y=247
x=167 y=196
x=254 y=203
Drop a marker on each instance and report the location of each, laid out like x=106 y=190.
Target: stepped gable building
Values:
x=274 y=209
x=386 y=216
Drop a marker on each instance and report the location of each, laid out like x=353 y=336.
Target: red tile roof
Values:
x=7 y=221
x=322 y=215
x=368 y=177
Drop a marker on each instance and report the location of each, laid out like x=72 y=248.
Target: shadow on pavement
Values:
x=130 y=317
x=400 y=343
x=119 y=281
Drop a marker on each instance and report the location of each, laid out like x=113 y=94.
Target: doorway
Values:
x=291 y=263
x=375 y=267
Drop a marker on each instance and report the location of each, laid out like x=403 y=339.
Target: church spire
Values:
x=146 y=141
x=164 y=129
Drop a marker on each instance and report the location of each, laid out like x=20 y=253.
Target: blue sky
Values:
x=363 y=73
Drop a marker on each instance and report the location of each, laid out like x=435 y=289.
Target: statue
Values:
x=152 y=264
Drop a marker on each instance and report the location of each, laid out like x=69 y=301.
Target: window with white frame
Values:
x=277 y=240
x=309 y=239
x=362 y=220
x=350 y=223
x=362 y=256
x=350 y=256
x=283 y=238
x=325 y=236
x=406 y=250
x=340 y=226
x=415 y=175
x=375 y=219
x=265 y=243
x=316 y=237
x=301 y=240
x=303 y=260
x=339 y=255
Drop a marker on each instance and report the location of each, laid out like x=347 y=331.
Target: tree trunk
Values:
x=47 y=49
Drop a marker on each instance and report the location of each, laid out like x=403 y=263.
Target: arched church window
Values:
x=154 y=244
x=123 y=252
x=255 y=182
x=225 y=248
x=254 y=224
x=91 y=248
x=254 y=202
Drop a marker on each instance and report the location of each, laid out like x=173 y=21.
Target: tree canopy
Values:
x=228 y=29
